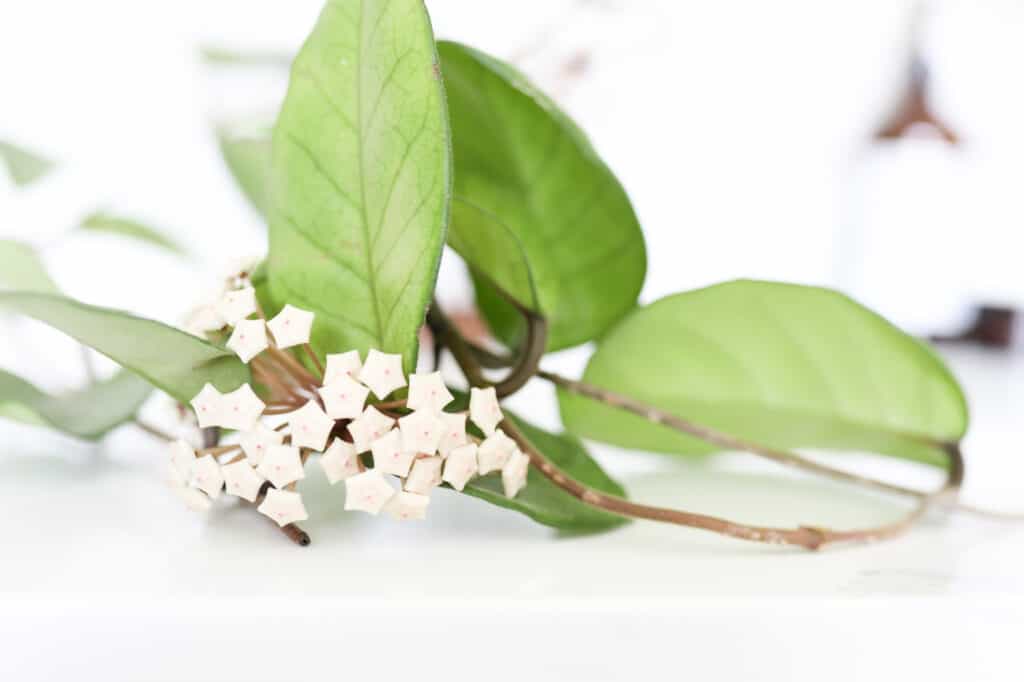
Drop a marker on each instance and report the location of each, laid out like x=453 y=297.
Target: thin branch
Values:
x=154 y=431
x=315 y=360
x=808 y=537
x=525 y=365
x=724 y=440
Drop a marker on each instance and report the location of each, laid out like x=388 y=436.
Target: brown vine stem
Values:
x=808 y=537
x=723 y=440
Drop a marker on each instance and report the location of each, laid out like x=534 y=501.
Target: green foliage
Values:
x=170 y=359
x=249 y=159
x=88 y=413
x=363 y=166
x=493 y=252
x=126 y=227
x=779 y=364
x=22 y=270
x=521 y=161
x=24 y=166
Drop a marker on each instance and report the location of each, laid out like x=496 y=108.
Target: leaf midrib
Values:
x=371 y=277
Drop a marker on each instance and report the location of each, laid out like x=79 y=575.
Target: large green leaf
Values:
x=25 y=166
x=89 y=413
x=22 y=270
x=168 y=358
x=542 y=500
x=127 y=227
x=363 y=166
x=523 y=162
x=248 y=157
x=780 y=364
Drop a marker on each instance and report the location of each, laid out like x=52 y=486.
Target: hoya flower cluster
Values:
x=366 y=446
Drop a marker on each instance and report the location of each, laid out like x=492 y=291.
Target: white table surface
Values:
x=105 y=576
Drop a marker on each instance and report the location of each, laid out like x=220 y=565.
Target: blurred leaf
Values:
x=22 y=270
x=168 y=358
x=249 y=159
x=25 y=166
x=542 y=500
x=126 y=227
x=363 y=166
x=89 y=413
x=523 y=162
x=219 y=56
x=780 y=364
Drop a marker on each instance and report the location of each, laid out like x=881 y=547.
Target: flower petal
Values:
x=291 y=326
x=382 y=372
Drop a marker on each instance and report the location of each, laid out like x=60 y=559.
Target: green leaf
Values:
x=542 y=500
x=363 y=166
x=522 y=161
x=126 y=227
x=780 y=364
x=89 y=413
x=22 y=270
x=170 y=359
x=248 y=157
x=25 y=166
x=492 y=251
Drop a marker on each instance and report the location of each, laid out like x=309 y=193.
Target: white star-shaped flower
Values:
x=460 y=466
x=310 y=427
x=196 y=500
x=368 y=427
x=453 y=432
x=283 y=506
x=367 y=492
x=235 y=306
x=389 y=456
x=342 y=365
x=421 y=432
x=514 y=473
x=282 y=465
x=257 y=441
x=249 y=339
x=291 y=326
x=205 y=475
x=241 y=480
x=208 y=406
x=344 y=397
x=425 y=474
x=406 y=506
x=382 y=372
x=494 y=452
x=202 y=320
x=340 y=461
x=427 y=392
x=182 y=455
x=241 y=408
x=484 y=409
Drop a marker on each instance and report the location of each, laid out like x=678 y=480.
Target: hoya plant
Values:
x=389 y=146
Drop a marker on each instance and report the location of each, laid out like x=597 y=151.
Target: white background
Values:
x=742 y=132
